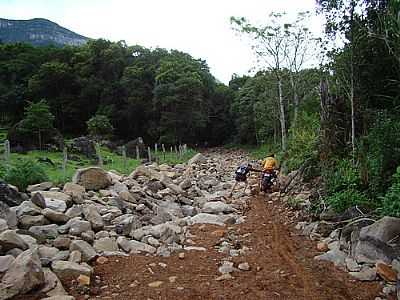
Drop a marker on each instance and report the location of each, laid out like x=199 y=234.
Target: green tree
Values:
x=99 y=126
x=37 y=120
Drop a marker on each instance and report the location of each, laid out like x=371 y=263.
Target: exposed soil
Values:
x=282 y=266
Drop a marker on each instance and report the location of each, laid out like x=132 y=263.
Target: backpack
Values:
x=242 y=170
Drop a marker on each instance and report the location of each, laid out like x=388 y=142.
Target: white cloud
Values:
x=201 y=28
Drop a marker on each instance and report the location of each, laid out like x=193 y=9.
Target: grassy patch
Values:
x=111 y=161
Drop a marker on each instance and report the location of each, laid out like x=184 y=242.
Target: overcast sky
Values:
x=200 y=28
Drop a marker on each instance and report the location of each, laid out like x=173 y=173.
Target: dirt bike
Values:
x=268 y=180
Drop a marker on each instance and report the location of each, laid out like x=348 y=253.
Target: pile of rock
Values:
x=368 y=250
x=53 y=234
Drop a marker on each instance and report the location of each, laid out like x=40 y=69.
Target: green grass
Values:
x=111 y=161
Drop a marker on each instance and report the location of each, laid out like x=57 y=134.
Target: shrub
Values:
x=344 y=199
x=25 y=172
x=99 y=125
x=391 y=200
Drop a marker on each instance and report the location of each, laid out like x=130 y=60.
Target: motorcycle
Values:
x=268 y=180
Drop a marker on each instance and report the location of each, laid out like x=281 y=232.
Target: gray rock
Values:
x=29 y=239
x=366 y=274
x=132 y=246
x=62 y=255
x=226 y=267
x=27 y=208
x=60 y=297
x=39 y=200
x=75 y=256
x=105 y=244
x=5 y=262
x=47 y=254
x=45 y=231
x=92 y=215
x=27 y=221
x=92 y=178
x=67 y=269
x=52 y=285
x=369 y=250
x=57 y=205
x=336 y=256
x=217 y=207
x=189 y=211
x=44 y=186
x=204 y=218
x=383 y=230
x=9 y=239
x=88 y=236
x=74 y=211
x=88 y=253
x=9 y=195
x=3 y=225
x=352 y=265
x=14 y=252
x=24 y=274
x=244 y=266
x=77 y=226
x=9 y=215
x=185 y=184
x=55 y=216
x=197 y=159
x=73 y=189
x=102 y=234
x=56 y=196
x=62 y=242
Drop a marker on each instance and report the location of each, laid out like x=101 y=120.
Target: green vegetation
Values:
x=24 y=172
x=99 y=126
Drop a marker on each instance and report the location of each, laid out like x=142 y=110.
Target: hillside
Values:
x=38 y=32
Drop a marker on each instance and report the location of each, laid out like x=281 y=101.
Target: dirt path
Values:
x=282 y=267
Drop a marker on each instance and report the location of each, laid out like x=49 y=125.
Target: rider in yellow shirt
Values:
x=270 y=164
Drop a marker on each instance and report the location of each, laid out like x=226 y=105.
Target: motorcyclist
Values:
x=269 y=165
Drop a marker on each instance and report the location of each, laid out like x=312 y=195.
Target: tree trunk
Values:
x=353 y=117
x=295 y=101
x=282 y=116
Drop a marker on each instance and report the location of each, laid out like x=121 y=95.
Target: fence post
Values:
x=7 y=152
x=176 y=151
x=64 y=164
x=149 y=153
x=156 y=148
x=98 y=152
x=137 y=153
x=163 y=150
x=124 y=158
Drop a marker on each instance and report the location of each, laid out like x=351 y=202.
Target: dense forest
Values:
x=339 y=118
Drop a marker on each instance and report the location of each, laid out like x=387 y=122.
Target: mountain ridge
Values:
x=38 y=32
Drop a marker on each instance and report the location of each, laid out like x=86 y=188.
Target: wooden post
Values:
x=98 y=152
x=172 y=150
x=155 y=148
x=163 y=150
x=64 y=164
x=124 y=158
x=137 y=153
x=176 y=151
x=149 y=153
x=7 y=152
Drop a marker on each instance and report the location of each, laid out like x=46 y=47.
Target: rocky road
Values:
x=162 y=233
x=258 y=256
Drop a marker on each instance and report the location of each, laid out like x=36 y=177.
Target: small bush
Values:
x=391 y=200
x=342 y=200
x=25 y=172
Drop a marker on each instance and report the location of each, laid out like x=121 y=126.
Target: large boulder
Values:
x=82 y=145
x=55 y=216
x=45 y=231
x=370 y=250
x=9 y=195
x=131 y=148
x=9 y=215
x=24 y=274
x=383 y=230
x=92 y=178
x=105 y=244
